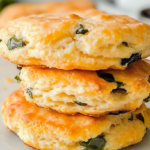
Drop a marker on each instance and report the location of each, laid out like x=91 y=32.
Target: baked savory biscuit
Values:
x=88 y=92
x=50 y=130
x=18 y=10
x=92 y=40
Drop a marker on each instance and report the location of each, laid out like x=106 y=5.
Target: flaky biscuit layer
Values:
x=87 y=92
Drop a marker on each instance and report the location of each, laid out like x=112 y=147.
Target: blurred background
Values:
x=138 y=9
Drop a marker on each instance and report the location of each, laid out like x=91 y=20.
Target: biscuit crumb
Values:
x=9 y=80
x=4 y=88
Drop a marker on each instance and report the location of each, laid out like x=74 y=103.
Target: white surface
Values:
x=113 y=9
x=133 y=5
x=8 y=140
x=131 y=8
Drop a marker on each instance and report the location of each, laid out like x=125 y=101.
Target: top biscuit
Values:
x=18 y=10
x=92 y=40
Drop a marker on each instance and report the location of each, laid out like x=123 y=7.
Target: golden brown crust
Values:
x=23 y=142
x=60 y=90
x=53 y=42
x=16 y=107
x=47 y=129
x=29 y=145
x=18 y=10
x=10 y=130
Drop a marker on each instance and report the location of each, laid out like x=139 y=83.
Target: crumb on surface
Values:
x=4 y=88
x=9 y=80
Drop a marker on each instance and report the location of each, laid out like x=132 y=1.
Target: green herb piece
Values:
x=81 y=30
x=29 y=91
x=19 y=68
x=131 y=118
x=106 y=76
x=119 y=90
x=140 y=117
x=119 y=84
x=118 y=113
x=14 y=43
x=110 y=78
x=0 y=40
x=147 y=99
x=18 y=79
x=134 y=57
x=125 y=44
x=81 y=104
x=97 y=143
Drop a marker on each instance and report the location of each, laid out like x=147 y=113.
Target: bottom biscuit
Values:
x=50 y=130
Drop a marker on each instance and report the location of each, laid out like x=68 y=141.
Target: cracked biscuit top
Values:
x=92 y=40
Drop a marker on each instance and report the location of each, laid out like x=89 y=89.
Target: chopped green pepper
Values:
x=147 y=99
x=97 y=143
x=110 y=78
x=18 y=79
x=106 y=76
x=29 y=91
x=118 y=113
x=19 y=68
x=134 y=57
x=131 y=118
x=14 y=43
x=81 y=104
x=125 y=44
x=119 y=84
x=119 y=90
x=81 y=30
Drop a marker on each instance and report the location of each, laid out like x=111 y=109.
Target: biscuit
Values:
x=88 y=92
x=18 y=10
x=49 y=130
x=91 y=40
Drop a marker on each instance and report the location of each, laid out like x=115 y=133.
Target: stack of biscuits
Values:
x=83 y=81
